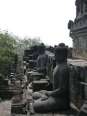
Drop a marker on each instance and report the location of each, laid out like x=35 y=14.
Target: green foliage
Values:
x=7 y=52
x=11 y=45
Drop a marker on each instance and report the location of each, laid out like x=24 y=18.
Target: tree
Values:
x=10 y=45
x=7 y=52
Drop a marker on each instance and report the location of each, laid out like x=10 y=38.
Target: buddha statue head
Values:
x=61 y=52
x=41 y=48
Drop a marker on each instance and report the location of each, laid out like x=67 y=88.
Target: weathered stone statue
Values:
x=42 y=60
x=58 y=99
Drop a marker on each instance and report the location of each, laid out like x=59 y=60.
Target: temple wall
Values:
x=78 y=82
x=78 y=73
x=78 y=29
x=79 y=44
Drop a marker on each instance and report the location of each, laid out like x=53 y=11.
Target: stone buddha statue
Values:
x=42 y=60
x=58 y=98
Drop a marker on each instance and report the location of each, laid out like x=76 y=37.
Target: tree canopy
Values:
x=7 y=52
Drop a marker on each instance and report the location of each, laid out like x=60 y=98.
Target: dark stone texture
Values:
x=78 y=81
x=18 y=104
x=58 y=99
x=40 y=85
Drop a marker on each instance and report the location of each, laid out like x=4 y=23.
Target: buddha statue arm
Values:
x=38 y=62
x=63 y=79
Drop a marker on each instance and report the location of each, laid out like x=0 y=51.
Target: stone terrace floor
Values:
x=5 y=110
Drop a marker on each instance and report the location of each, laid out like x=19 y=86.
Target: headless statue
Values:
x=58 y=98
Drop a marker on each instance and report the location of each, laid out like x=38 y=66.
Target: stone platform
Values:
x=65 y=113
x=5 y=108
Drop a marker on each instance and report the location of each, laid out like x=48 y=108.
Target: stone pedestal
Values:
x=18 y=105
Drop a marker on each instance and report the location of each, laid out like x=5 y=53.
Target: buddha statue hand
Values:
x=48 y=93
x=44 y=97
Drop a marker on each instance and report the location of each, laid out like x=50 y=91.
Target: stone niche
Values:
x=78 y=30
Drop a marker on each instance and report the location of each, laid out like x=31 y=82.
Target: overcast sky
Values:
x=46 y=19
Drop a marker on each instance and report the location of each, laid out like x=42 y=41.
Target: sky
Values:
x=44 y=19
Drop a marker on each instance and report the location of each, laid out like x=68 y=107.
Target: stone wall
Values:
x=78 y=82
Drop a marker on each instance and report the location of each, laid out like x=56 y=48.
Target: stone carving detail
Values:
x=78 y=29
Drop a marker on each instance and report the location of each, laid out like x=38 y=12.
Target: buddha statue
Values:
x=58 y=98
